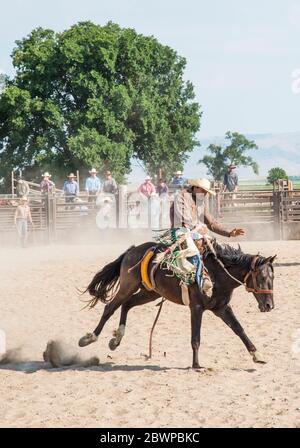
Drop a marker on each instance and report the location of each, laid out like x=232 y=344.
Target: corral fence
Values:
x=269 y=214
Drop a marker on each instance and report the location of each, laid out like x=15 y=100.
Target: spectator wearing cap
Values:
x=231 y=179
x=70 y=188
x=22 y=187
x=47 y=186
x=109 y=184
x=147 y=188
x=178 y=180
x=93 y=185
x=21 y=218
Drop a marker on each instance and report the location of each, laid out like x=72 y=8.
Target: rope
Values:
x=153 y=326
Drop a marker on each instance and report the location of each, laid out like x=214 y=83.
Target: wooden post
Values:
x=78 y=180
x=12 y=184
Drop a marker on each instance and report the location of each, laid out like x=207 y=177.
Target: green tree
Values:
x=96 y=96
x=276 y=174
x=232 y=154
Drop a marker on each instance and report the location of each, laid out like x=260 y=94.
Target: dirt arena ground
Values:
x=38 y=302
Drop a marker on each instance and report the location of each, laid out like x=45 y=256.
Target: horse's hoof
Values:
x=256 y=356
x=87 y=339
x=113 y=344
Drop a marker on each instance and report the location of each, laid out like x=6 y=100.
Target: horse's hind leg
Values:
x=121 y=297
x=140 y=298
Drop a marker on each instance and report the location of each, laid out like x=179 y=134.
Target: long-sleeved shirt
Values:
x=178 y=181
x=185 y=213
x=70 y=188
x=92 y=184
x=47 y=186
x=147 y=188
x=231 y=181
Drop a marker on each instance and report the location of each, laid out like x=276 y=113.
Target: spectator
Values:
x=162 y=188
x=93 y=185
x=71 y=189
x=47 y=186
x=109 y=184
x=22 y=187
x=231 y=179
x=147 y=188
x=178 y=180
x=22 y=215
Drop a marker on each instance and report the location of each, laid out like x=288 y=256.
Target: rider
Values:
x=190 y=210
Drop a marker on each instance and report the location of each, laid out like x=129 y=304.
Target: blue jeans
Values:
x=196 y=260
x=22 y=228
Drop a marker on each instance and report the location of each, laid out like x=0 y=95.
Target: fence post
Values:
x=277 y=201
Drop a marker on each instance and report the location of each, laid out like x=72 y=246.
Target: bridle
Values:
x=253 y=272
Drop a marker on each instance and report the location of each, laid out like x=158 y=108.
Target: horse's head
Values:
x=259 y=281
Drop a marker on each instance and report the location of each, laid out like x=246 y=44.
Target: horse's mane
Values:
x=232 y=256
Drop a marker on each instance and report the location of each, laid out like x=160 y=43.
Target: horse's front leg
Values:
x=196 y=319
x=227 y=315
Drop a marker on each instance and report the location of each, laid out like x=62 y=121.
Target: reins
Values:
x=253 y=272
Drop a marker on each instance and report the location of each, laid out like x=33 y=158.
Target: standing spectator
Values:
x=109 y=184
x=71 y=189
x=231 y=182
x=147 y=188
x=93 y=185
x=162 y=188
x=22 y=187
x=47 y=186
x=231 y=179
x=178 y=180
x=22 y=215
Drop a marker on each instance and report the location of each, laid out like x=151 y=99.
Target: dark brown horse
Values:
x=116 y=286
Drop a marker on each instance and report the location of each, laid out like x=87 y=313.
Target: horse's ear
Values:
x=271 y=259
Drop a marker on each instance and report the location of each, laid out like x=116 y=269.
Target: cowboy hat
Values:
x=24 y=198
x=108 y=173
x=93 y=171
x=201 y=183
x=71 y=175
x=147 y=178
x=46 y=174
x=178 y=173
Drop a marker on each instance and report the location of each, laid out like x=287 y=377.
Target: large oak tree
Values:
x=96 y=96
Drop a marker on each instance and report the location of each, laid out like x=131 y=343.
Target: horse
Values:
x=119 y=283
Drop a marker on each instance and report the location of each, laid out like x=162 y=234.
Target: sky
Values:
x=243 y=57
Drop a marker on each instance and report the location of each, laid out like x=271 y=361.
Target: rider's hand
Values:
x=237 y=232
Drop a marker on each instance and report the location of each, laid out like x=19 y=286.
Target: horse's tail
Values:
x=105 y=283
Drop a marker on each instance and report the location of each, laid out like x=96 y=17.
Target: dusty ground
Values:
x=38 y=301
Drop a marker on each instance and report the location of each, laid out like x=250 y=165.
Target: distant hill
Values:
x=281 y=150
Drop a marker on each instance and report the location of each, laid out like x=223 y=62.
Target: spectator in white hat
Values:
x=178 y=180
x=47 y=186
x=93 y=185
x=147 y=188
x=71 y=189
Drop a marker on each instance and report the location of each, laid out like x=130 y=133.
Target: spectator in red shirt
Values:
x=147 y=188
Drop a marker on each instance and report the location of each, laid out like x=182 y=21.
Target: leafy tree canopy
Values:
x=96 y=96
x=232 y=154
x=276 y=174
